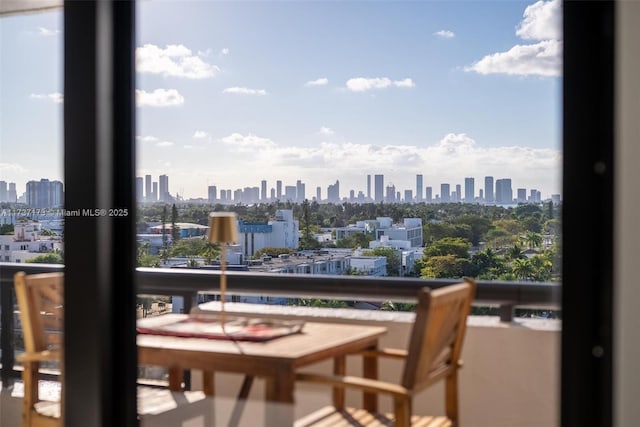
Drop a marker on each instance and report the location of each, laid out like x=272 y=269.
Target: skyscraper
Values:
x=504 y=193
x=418 y=188
x=369 y=187
x=300 y=193
x=469 y=190
x=263 y=191
x=139 y=189
x=279 y=190
x=212 y=193
x=488 y=189
x=3 y=191
x=521 y=195
x=318 y=194
x=379 y=188
x=12 y=194
x=333 y=192
x=154 y=192
x=164 y=188
x=429 y=194
x=445 y=193
x=44 y=194
x=147 y=188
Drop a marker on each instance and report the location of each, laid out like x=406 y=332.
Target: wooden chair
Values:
x=40 y=300
x=433 y=355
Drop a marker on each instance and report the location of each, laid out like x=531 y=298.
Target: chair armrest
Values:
x=392 y=353
x=41 y=356
x=365 y=384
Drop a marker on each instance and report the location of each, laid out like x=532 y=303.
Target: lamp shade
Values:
x=223 y=227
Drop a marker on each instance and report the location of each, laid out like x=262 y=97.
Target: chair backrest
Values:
x=40 y=298
x=438 y=333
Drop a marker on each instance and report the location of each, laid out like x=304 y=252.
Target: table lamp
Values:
x=223 y=229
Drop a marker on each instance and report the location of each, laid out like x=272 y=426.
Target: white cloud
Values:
x=542 y=59
x=244 y=91
x=404 y=83
x=363 y=84
x=159 y=98
x=146 y=139
x=247 y=142
x=200 y=134
x=47 y=32
x=173 y=61
x=326 y=131
x=152 y=140
x=444 y=34
x=542 y=22
x=55 y=97
x=317 y=82
x=225 y=51
x=11 y=168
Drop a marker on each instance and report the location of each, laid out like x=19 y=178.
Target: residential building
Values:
x=469 y=190
x=445 y=193
x=379 y=188
x=45 y=194
x=488 y=189
x=418 y=188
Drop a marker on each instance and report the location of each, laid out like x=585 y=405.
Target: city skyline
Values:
x=148 y=190
x=448 y=90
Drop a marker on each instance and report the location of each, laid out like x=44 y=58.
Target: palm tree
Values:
x=534 y=240
x=523 y=269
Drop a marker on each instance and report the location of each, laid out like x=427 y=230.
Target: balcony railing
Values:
x=188 y=283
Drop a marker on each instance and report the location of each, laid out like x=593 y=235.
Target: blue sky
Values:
x=230 y=93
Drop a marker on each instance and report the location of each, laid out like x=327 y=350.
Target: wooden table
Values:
x=276 y=360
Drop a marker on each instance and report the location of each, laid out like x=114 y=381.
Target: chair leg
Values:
x=451 y=399
x=402 y=411
x=339 y=368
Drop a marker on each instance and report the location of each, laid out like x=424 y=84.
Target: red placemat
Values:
x=235 y=328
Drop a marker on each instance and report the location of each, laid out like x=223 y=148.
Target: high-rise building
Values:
x=418 y=188
x=154 y=192
x=290 y=192
x=391 y=193
x=445 y=193
x=279 y=190
x=429 y=194
x=504 y=193
x=379 y=188
x=369 y=187
x=300 y=193
x=12 y=194
x=263 y=187
x=535 y=196
x=147 y=188
x=458 y=196
x=3 y=191
x=408 y=196
x=469 y=190
x=333 y=192
x=273 y=193
x=164 y=196
x=45 y=194
x=212 y=193
x=139 y=189
x=318 y=194
x=521 y=195
x=488 y=189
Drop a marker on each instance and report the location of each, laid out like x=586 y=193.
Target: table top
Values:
x=316 y=341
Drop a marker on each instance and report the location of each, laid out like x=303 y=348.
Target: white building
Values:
x=282 y=232
x=370 y=265
x=26 y=243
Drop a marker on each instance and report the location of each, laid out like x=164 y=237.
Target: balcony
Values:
x=511 y=375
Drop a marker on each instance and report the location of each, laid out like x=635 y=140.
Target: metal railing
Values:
x=188 y=283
